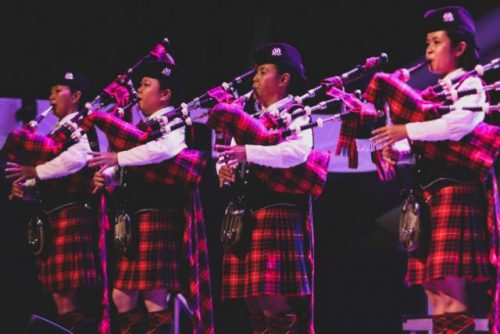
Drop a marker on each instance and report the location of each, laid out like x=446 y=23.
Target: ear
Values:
x=285 y=79
x=460 y=49
x=76 y=97
x=166 y=94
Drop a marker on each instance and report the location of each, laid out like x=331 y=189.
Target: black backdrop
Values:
x=359 y=270
x=212 y=40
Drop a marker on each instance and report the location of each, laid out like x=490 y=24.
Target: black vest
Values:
x=258 y=195
x=138 y=194
x=428 y=171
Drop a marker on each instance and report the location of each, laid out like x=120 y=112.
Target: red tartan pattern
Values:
x=220 y=95
x=276 y=261
x=405 y=103
x=244 y=128
x=156 y=262
x=477 y=151
x=29 y=148
x=493 y=212
x=32 y=149
x=459 y=238
x=346 y=144
x=104 y=226
x=306 y=178
x=185 y=169
x=119 y=93
x=195 y=251
x=269 y=121
x=231 y=117
x=187 y=172
x=120 y=134
x=195 y=261
x=71 y=261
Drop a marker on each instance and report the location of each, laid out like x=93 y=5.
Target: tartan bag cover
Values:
x=29 y=148
x=346 y=144
x=477 y=151
x=307 y=178
x=185 y=169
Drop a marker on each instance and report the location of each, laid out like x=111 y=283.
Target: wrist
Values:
x=36 y=174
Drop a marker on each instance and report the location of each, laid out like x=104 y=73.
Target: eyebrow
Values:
x=432 y=38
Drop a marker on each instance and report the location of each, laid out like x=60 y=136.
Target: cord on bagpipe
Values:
x=403 y=104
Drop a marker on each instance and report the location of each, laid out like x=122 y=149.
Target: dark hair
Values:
x=177 y=89
x=298 y=84
x=82 y=100
x=470 y=57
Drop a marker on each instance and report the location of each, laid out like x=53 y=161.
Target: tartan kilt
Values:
x=275 y=263
x=72 y=260
x=459 y=243
x=156 y=262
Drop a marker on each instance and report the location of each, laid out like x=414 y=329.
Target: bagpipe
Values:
x=448 y=84
x=33 y=124
x=225 y=93
x=119 y=92
x=476 y=151
x=306 y=178
x=185 y=169
x=26 y=147
x=287 y=112
x=334 y=88
x=273 y=127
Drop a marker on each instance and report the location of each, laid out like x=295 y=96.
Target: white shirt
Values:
x=156 y=151
x=69 y=161
x=287 y=154
x=455 y=124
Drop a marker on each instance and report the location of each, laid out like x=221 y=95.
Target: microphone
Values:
x=357 y=72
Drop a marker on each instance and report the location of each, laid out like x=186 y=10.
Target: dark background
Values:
x=359 y=270
x=212 y=40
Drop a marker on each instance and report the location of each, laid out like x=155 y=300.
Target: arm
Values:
x=164 y=148
x=453 y=125
x=68 y=162
x=286 y=154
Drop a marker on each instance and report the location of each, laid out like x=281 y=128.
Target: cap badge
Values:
x=68 y=76
x=166 y=71
x=448 y=17
x=276 y=52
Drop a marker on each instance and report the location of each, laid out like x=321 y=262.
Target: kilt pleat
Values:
x=275 y=262
x=155 y=264
x=459 y=240
x=71 y=261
